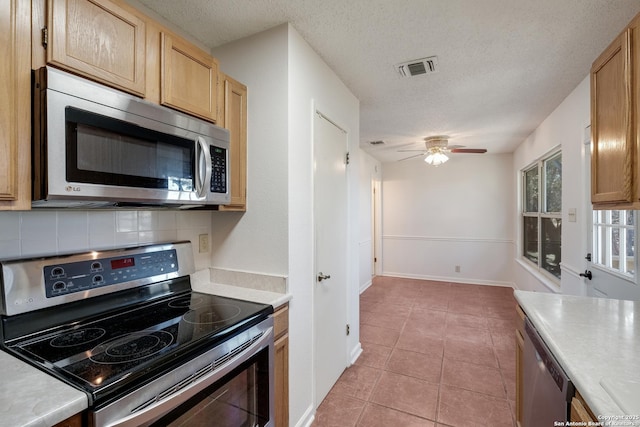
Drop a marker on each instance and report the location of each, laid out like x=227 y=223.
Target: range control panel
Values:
x=62 y=279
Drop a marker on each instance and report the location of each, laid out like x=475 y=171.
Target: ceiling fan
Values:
x=437 y=147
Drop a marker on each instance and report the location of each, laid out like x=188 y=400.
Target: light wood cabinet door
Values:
x=188 y=78
x=580 y=411
x=74 y=421
x=15 y=96
x=634 y=61
x=281 y=365
x=519 y=364
x=99 y=40
x=282 y=381
x=234 y=118
x=613 y=152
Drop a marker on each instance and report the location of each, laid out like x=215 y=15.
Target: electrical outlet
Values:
x=204 y=243
x=457 y=269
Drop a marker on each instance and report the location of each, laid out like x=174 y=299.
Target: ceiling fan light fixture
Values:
x=436 y=158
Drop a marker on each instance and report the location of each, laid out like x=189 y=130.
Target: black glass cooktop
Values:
x=119 y=348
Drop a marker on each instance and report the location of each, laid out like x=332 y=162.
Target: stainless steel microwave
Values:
x=94 y=146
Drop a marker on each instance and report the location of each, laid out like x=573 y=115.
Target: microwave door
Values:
x=106 y=151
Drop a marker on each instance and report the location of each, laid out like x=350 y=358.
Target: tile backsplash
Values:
x=54 y=232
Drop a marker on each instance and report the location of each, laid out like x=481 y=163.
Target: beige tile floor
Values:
x=434 y=354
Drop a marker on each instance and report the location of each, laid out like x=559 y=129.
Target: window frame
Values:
x=597 y=244
x=540 y=214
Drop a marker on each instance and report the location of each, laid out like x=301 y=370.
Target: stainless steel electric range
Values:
x=125 y=327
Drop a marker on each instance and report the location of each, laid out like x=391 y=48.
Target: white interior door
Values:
x=330 y=288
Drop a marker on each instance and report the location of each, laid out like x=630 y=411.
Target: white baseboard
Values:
x=450 y=279
x=365 y=286
x=307 y=418
x=355 y=353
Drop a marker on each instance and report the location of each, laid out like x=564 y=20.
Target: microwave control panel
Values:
x=63 y=279
x=218 y=170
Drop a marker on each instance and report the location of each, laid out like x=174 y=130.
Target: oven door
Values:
x=238 y=392
x=239 y=400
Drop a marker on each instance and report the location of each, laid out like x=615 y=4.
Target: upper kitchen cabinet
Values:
x=188 y=78
x=15 y=104
x=98 y=39
x=234 y=118
x=615 y=161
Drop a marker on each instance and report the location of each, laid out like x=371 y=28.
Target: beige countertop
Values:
x=597 y=343
x=265 y=297
x=29 y=397
x=254 y=287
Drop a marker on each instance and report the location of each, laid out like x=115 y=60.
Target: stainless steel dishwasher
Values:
x=547 y=390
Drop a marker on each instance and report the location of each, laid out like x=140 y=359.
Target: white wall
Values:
x=564 y=127
x=50 y=232
x=283 y=144
x=457 y=214
x=257 y=240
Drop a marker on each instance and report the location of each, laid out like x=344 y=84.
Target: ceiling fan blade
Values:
x=411 y=157
x=469 y=150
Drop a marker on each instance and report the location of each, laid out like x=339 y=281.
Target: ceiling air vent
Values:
x=418 y=67
x=380 y=142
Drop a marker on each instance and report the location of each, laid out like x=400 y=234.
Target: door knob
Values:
x=586 y=274
x=322 y=277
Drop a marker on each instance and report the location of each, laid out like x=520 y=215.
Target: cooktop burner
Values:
x=77 y=337
x=117 y=348
x=130 y=347
x=186 y=302
x=218 y=313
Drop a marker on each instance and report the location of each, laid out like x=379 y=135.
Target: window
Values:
x=614 y=241
x=542 y=214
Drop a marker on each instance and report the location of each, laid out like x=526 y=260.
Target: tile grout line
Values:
x=414 y=307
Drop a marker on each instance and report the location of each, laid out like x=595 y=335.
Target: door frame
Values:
x=318 y=111
x=376 y=224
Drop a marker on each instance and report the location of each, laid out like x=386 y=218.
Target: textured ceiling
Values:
x=503 y=65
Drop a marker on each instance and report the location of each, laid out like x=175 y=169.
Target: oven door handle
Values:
x=168 y=403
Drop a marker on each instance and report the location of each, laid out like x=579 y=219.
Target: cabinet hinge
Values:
x=348 y=329
x=346 y=158
x=45 y=37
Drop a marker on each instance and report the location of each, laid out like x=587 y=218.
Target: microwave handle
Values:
x=203 y=167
